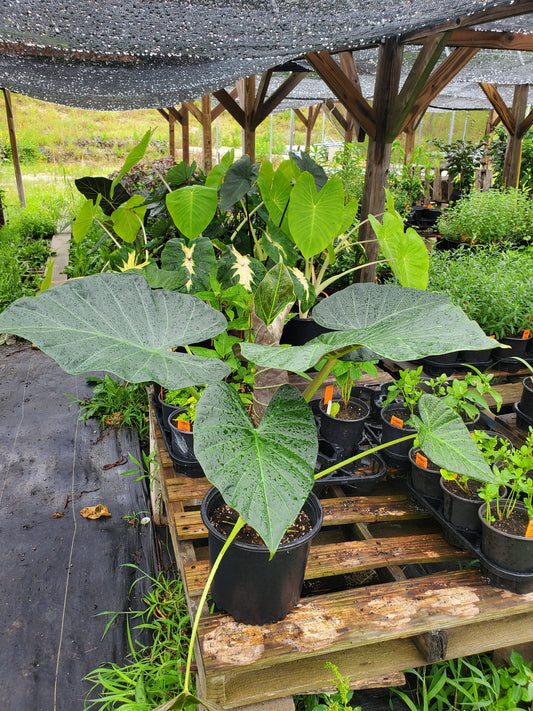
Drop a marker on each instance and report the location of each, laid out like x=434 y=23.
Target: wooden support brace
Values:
x=344 y=90
x=494 y=96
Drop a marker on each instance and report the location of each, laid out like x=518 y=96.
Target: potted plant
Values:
x=507 y=523
x=460 y=496
x=266 y=472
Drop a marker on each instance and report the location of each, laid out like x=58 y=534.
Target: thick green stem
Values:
x=240 y=523
x=360 y=455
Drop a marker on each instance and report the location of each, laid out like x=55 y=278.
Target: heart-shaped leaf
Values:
x=266 y=474
x=315 y=218
x=444 y=438
x=116 y=323
x=194 y=261
x=274 y=293
x=393 y=321
x=192 y=208
x=240 y=177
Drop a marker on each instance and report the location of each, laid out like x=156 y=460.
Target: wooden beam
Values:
x=509 y=9
x=415 y=81
x=344 y=90
x=283 y=90
x=207 y=137
x=231 y=106
x=483 y=39
x=513 y=154
x=185 y=139
x=494 y=96
x=14 y=149
x=526 y=124
x=388 y=71
x=350 y=69
x=442 y=76
x=194 y=110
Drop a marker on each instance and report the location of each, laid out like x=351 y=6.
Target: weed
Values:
x=152 y=673
x=116 y=403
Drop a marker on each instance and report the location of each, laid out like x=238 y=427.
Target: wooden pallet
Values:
x=422 y=602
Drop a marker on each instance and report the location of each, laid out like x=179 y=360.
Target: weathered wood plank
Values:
x=352 y=556
x=354 y=618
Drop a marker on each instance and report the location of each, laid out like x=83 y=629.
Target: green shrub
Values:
x=492 y=286
x=489 y=217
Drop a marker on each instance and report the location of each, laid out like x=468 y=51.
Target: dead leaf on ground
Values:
x=95 y=511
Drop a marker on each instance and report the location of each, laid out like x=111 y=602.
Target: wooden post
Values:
x=171 y=135
x=14 y=148
x=207 y=138
x=513 y=154
x=247 y=99
x=379 y=150
x=185 y=134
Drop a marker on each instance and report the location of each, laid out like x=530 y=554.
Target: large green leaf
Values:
x=266 y=473
x=195 y=261
x=395 y=322
x=444 y=438
x=240 y=177
x=100 y=189
x=405 y=249
x=274 y=293
x=236 y=268
x=192 y=208
x=116 y=323
x=315 y=217
x=127 y=218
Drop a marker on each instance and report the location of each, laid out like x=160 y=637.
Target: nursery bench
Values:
x=422 y=601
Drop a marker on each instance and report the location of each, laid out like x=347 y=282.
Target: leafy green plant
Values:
x=116 y=403
x=462 y=159
x=492 y=216
x=152 y=674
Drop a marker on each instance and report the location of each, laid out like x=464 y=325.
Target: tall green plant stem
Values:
x=240 y=523
x=360 y=455
x=326 y=369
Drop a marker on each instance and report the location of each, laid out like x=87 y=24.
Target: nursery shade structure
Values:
x=134 y=54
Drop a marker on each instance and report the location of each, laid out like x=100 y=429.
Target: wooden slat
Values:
x=353 y=556
x=354 y=618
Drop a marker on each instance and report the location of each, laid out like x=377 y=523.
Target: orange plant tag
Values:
x=396 y=421
x=529 y=529
x=526 y=333
x=328 y=395
x=421 y=461
x=184 y=426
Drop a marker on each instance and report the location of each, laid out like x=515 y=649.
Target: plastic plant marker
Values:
x=183 y=425
x=396 y=421
x=421 y=461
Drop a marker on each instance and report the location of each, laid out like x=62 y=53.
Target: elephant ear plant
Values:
x=115 y=322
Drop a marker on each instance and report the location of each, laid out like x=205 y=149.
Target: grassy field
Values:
x=58 y=143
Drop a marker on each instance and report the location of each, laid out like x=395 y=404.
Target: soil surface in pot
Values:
x=515 y=524
x=471 y=493
x=349 y=411
x=402 y=413
x=223 y=518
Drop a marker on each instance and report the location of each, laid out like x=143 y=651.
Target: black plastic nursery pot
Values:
x=250 y=586
x=459 y=509
x=182 y=441
x=505 y=549
x=526 y=400
x=425 y=479
x=345 y=433
x=397 y=452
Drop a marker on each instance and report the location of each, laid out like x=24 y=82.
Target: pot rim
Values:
x=513 y=536
x=312 y=501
